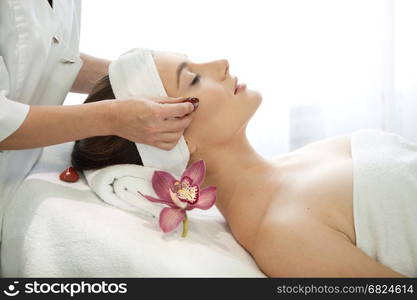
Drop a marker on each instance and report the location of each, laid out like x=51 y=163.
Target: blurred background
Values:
x=324 y=67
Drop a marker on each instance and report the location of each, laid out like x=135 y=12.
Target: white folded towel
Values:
x=117 y=185
x=385 y=198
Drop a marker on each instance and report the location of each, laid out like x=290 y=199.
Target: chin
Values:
x=253 y=100
x=255 y=97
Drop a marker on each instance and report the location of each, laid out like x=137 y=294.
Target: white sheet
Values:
x=385 y=198
x=58 y=229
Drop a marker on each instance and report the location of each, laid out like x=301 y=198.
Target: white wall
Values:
x=328 y=56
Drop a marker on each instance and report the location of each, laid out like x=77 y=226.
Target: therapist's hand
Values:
x=156 y=122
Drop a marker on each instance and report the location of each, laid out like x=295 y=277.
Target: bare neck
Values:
x=227 y=165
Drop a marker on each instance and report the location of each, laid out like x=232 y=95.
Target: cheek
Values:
x=211 y=119
x=211 y=96
x=212 y=103
x=206 y=119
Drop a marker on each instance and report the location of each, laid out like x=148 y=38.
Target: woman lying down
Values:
x=345 y=206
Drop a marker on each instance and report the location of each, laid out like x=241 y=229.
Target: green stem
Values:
x=184 y=226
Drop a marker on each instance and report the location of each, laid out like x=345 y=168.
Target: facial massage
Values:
x=154 y=175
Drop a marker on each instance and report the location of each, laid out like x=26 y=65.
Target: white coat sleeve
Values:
x=12 y=113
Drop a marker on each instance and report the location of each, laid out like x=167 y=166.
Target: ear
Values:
x=192 y=147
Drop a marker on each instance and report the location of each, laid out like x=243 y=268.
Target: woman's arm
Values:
x=139 y=120
x=304 y=248
x=92 y=70
x=50 y=125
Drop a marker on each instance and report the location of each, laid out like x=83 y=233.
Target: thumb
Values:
x=166 y=100
x=193 y=100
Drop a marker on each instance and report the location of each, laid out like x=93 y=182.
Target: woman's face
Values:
x=222 y=111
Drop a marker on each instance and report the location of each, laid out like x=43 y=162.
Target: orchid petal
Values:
x=206 y=200
x=162 y=182
x=152 y=199
x=196 y=172
x=186 y=180
x=170 y=218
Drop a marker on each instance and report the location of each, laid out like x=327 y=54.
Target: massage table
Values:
x=58 y=229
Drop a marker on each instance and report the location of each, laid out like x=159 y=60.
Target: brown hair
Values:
x=101 y=151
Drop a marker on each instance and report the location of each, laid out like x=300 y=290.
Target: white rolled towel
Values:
x=117 y=185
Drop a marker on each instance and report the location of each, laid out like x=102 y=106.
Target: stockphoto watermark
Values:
x=15 y=288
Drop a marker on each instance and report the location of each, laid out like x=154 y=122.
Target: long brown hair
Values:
x=101 y=151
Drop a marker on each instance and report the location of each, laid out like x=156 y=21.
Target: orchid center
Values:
x=184 y=192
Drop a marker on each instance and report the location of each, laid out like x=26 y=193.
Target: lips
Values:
x=239 y=86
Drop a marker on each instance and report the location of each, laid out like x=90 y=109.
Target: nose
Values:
x=216 y=69
x=225 y=67
x=222 y=67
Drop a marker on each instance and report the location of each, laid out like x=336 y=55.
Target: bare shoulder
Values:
x=335 y=144
x=302 y=247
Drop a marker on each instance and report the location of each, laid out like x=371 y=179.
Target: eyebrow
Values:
x=181 y=67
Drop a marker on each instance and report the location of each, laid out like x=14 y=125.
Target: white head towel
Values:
x=134 y=74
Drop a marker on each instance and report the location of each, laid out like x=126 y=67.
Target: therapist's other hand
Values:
x=156 y=122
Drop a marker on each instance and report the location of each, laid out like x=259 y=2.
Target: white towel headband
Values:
x=134 y=74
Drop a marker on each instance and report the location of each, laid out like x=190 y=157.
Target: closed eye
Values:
x=195 y=80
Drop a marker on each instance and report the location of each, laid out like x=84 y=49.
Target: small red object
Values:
x=194 y=101
x=69 y=175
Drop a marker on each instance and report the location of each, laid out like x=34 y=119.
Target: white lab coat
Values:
x=39 y=61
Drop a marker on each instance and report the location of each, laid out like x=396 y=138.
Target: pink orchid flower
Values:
x=181 y=195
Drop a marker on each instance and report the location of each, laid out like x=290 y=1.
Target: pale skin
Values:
x=145 y=121
x=293 y=213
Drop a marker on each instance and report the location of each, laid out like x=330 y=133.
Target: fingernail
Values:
x=194 y=101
